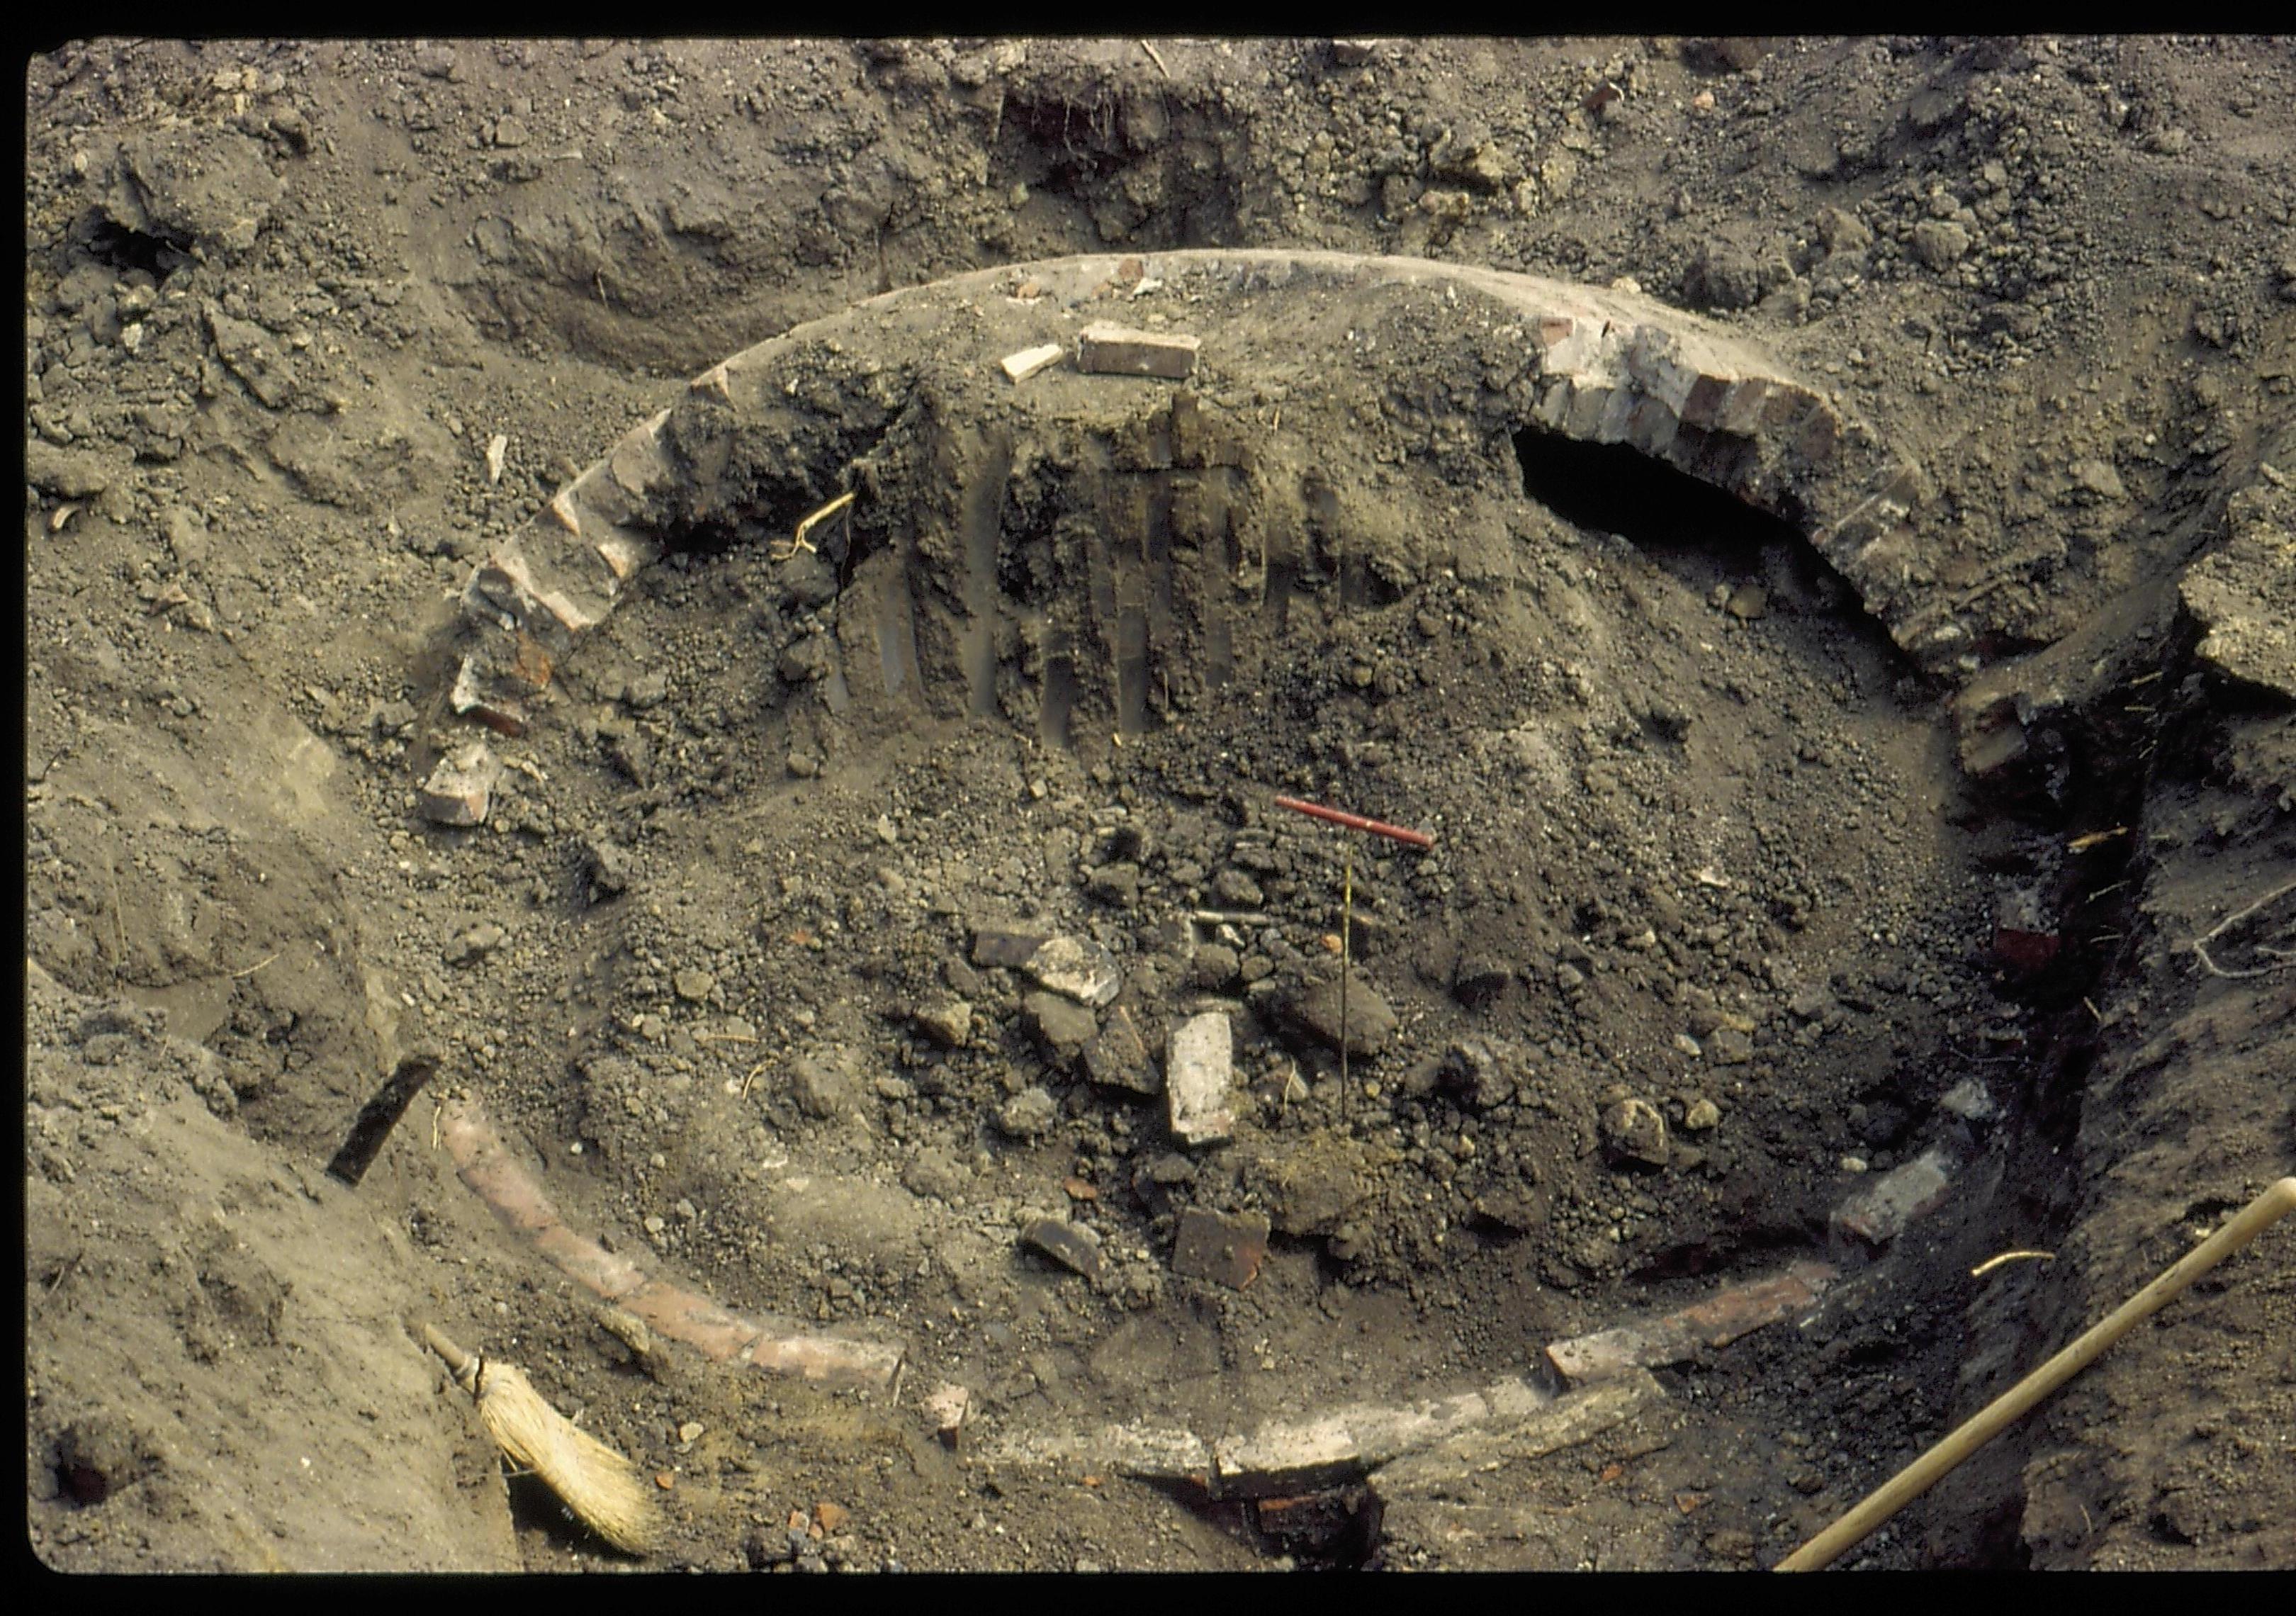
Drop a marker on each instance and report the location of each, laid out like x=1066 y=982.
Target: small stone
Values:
x=691 y=1432
x=1812 y=1002
x=823 y=1083
x=1216 y=966
x=1748 y=603
x=1062 y=1028
x=2097 y=477
x=1939 y=244
x=694 y=987
x=1842 y=230
x=1115 y=883
x=1878 y=1213
x=1633 y=1130
x=1117 y=1057
x=1029 y=1114
x=948 y=1023
x=1370 y=1022
x=1969 y=1101
x=1002 y=946
x=475 y=944
x=1702 y=1116
x=608 y=867
x=1073 y=1246
x=947 y=1405
x=1073 y=966
x=1199 y=1068
x=1237 y=891
x=1730 y=1047
x=1481 y=1071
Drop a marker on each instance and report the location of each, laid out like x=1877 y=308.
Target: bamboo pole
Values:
x=2277 y=1200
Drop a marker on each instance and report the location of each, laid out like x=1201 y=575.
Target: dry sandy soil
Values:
x=1772 y=854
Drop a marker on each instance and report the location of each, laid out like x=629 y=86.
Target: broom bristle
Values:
x=596 y=1483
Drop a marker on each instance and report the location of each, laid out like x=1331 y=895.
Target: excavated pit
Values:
x=1563 y=577
x=1876 y=868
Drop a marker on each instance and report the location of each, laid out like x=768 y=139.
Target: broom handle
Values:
x=2278 y=1200
x=458 y=1362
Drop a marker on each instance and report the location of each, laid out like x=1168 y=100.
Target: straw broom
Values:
x=599 y=1486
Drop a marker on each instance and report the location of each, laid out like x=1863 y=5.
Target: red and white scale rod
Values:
x=1356 y=821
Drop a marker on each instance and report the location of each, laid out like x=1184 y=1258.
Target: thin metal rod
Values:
x=2277 y=1201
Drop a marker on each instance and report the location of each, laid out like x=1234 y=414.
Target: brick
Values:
x=1288 y=1457
x=1674 y=1337
x=1225 y=1248
x=1517 y=1428
x=488 y=1170
x=563 y=511
x=1149 y=1452
x=1116 y=350
x=478 y=696
x=1199 y=1065
x=1285 y=1457
x=626 y=553
x=683 y=1317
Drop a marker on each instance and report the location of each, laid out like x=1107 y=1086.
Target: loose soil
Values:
x=1727 y=846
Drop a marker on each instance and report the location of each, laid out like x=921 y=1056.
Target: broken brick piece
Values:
x=460 y=790
x=1225 y=1248
x=1029 y=361
x=1117 y=351
x=1071 y=1245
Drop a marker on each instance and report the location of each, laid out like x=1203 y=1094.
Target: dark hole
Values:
x=124 y=249
x=1689 y=528
x=85 y=1482
x=1613 y=487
